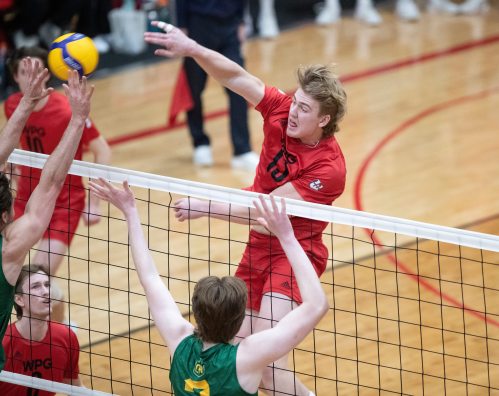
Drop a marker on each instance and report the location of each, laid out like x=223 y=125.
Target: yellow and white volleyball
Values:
x=72 y=51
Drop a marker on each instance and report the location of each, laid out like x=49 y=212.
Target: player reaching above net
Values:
x=300 y=159
x=203 y=357
x=17 y=237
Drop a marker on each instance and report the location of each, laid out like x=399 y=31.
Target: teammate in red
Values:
x=33 y=345
x=42 y=133
x=300 y=159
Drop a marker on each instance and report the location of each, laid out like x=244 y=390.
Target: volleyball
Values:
x=72 y=51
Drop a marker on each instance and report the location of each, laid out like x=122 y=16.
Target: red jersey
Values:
x=42 y=133
x=54 y=358
x=317 y=173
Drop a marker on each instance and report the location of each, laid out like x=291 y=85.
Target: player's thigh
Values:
x=273 y=308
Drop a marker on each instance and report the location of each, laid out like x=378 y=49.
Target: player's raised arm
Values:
x=293 y=328
x=167 y=317
x=228 y=73
x=22 y=234
x=35 y=91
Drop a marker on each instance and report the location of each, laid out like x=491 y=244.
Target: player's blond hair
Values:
x=319 y=82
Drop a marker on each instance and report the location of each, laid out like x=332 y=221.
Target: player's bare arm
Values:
x=23 y=233
x=293 y=328
x=192 y=208
x=35 y=91
x=102 y=155
x=167 y=317
x=228 y=73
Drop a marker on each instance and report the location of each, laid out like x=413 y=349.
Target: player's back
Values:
x=212 y=370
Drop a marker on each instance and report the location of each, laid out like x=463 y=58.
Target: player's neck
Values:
x=32 y=328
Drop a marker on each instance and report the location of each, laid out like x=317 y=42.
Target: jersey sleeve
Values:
x=272 y=101
x=73 y=369
x=321 y=183
x=90 y=132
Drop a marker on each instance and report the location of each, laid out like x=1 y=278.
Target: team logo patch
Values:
x=316 y=185
x=198 y=369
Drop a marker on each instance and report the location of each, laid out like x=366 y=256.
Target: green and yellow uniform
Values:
x=6 y=304
x=205 y=373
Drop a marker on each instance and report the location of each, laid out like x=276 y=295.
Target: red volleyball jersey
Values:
x=42 y=133
x=53 y=358
x=317 y=173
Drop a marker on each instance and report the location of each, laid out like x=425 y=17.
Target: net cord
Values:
x=51 y=386
x=294 y=207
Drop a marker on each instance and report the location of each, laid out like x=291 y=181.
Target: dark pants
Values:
x=219 y=35
x=32 y=13
x=93 y=17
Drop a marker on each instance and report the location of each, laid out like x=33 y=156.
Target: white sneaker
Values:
x=247 y=161
x=202 y=156
x=268 y=27
x=368 y=15
x=101 y=44
x=407 y=10
x=329 y=15
x=474 y=6
x=21 y=40
x=445 y=6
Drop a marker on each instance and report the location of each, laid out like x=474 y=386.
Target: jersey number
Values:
x=192 y=386
x=35 y=144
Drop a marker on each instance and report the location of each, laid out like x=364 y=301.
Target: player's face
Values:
x=36 y=296
x=304 y=122
x=21 y=77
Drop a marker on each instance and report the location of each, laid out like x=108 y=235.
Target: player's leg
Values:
x=278 y=379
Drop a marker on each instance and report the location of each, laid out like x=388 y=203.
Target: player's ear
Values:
x=18 y=299
x=324 y=120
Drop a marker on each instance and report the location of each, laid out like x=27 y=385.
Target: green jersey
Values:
x=205 y=373
x=6 y=304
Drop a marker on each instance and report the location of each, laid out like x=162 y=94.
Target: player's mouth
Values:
x=292 y=123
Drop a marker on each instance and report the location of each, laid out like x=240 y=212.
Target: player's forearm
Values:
x=57 y=166
x=306 y=277
x=140 y=251
x=9 y=139
x=234 y=213
x=216 y=65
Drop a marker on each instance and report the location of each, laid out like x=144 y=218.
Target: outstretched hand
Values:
x=37 y=77
x=273 y=219
x=174 y=41
x=79 y=93
x=123 y=199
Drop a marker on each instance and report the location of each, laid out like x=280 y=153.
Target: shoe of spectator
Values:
x=473 y=6
x=267 y=26
x=329 y=14
x=101 y=44
x=247 y=161
x=369 y=15
x=202 y=156
x=21 y=40
x=445 y=6
x=48 y=32
x=407 y=10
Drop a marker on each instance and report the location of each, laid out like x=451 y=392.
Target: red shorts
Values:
x=265 y=268
x=64 y=221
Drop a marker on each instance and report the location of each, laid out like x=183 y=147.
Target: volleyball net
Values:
x=413 y=306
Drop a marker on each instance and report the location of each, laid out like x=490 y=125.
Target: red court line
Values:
x=361 y=176
x=347 y=78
